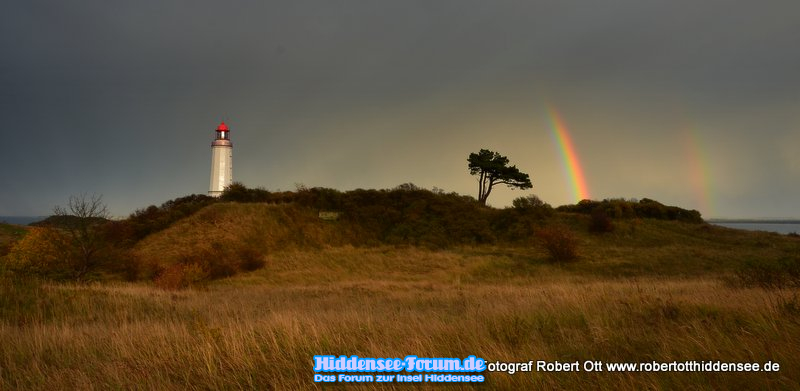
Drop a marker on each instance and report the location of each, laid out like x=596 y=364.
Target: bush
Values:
x=43 y=251
x=238 y=192
x=532 y=206
x=180 y=276
x=319 y=198
x=645 y=208
x=250 y=260
x=528 y=202
x=600 y=222
x=122 y=262
x=560 y=242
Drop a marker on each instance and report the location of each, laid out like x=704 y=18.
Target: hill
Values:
x=65 y=221
x=407 y=272
x=210 y=238
x=20 y=220
x=226 y=238
x=229 y=236
x=649 y=291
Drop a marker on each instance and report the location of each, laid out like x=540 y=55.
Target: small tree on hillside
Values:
x=81 y=221
x=492 y=169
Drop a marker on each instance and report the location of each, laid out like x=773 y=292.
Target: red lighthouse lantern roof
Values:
x=222 y=127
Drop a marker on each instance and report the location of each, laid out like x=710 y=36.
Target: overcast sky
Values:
x=692 y=103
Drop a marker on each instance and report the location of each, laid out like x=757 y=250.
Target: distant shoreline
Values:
x=753 y=221
x=21 y=220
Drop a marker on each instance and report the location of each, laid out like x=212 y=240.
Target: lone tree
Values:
x=82 y=221
x=492 y=169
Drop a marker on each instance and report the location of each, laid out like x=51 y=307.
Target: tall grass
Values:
x=649 y=290
x=261 y=329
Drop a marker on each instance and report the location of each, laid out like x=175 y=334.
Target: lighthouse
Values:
x=221 y=161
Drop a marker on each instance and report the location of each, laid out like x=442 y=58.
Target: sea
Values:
x=21 y=220
x=779 y=226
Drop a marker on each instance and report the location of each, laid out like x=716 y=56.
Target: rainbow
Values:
x=699 y=172
x=571 y=163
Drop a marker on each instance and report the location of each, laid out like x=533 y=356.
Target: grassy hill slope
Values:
x=389 y=282
x=231 y=236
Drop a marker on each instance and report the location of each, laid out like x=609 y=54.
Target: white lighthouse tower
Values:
x=221 y=161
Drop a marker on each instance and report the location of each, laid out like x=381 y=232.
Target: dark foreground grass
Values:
x=260 y=330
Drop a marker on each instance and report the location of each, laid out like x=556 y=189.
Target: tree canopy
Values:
x=492 y=169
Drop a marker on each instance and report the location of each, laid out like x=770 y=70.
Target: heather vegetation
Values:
x=205 y=238
x=645 y=208
x=9 y=234
x=242 y=291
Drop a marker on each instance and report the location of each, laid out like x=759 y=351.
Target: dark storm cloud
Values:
x=121 y=97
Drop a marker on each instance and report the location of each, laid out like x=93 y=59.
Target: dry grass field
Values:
x=650 y=291
x=260 y=330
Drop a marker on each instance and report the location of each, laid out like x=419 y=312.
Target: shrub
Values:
x=532 y=206
x=560 y=242
x=250 y=259
x=600 y=222
x=43 y=251
x=123 y=263
x=528 y=202
x=180 y=276
x=238 y=192
x=319 y=198
x=645 y=208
